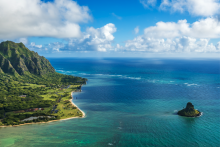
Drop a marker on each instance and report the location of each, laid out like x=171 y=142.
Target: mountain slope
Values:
x=16 y=59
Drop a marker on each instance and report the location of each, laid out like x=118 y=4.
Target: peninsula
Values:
x=189 y=111
x=31 y=90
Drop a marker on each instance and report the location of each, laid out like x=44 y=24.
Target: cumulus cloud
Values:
x=34 y=45
x=179 y=45
x=218 y=46
x=194 y=7
x=204 y=28
x=26 y=18
x=177 y=37
x=148 y=3
x=98 y=39
x=136 y=30
x=23 y=40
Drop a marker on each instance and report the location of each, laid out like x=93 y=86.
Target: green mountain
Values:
x=16 y=59
x=28 y=81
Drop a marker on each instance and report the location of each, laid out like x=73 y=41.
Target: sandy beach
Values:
x=76 y=105
x=53 y=120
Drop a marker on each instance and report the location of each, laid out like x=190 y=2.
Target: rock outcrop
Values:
x=189 y=111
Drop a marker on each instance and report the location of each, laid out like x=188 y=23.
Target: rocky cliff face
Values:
x=189 y=111
x=16 y=59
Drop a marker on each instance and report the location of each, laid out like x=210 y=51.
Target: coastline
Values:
x=53 y=120
x=76 y=105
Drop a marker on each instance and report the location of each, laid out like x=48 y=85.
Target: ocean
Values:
x=132 y=103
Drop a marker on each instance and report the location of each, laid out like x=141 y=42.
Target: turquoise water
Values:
x=133 y=102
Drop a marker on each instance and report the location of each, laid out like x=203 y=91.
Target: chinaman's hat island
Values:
x=189 y=111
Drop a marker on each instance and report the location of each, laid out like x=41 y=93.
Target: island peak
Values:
x=189 y=111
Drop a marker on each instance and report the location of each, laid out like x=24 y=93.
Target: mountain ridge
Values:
x=16 y=59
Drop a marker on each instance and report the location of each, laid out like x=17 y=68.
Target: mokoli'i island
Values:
x=97 y=73
x=189 y=111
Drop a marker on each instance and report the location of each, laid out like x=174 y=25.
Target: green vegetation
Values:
x=189 y=111
x=28 y=81
x=16 y=59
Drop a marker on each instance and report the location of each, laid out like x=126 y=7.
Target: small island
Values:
x=189 y=111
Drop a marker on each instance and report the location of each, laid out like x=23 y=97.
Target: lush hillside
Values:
x=23 y=65
x=16 y=59
x=28 y=81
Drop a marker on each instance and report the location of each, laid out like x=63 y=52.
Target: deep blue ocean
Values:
x=133 y=103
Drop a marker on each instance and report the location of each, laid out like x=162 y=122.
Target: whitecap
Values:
x=60 y=70
x=201 y=114
x=115 y=75
x=98 y=74
x=119 y=75
x=192 y=84
x=84 y=74
x=110 y=144
x=133 y=78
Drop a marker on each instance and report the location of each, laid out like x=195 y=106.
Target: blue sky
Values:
x=135 y=28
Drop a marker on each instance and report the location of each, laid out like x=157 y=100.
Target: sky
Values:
x=101 y=28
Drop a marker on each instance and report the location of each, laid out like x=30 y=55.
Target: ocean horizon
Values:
x=132 y=102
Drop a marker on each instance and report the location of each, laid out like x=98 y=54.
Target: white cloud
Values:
x=148 y=3
x=178 y=45
x=118 y=46
x=99 y=39
x=194 y=7
x=168 y=29
x=23 y=40
x=26 y=18
x=177 y=37
x=218 y=46
x=35 y=46
x=136 y=30
x=204 y=28
x=53 y=47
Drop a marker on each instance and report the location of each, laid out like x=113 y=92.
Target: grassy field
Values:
x=60 y=96
x=32 y=85
x=64 y=107
x=67 y=110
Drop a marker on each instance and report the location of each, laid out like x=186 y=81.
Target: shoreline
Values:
x=76 y=105
x=83 y=116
